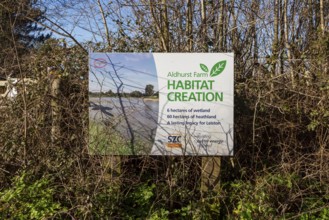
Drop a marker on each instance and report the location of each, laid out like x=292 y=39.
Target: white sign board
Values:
x=171 y=103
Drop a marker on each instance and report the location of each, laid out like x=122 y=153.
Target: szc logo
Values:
x=174 y=141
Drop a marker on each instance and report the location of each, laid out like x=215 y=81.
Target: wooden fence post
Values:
x=210 y=170
x=55 y=108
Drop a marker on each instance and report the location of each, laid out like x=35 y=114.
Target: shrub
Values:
x=28 y=199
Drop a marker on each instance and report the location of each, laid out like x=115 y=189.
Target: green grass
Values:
x=152 y=97
x=105 y=140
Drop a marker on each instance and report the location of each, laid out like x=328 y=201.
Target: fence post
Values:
x=55 y=107
x=210 y=174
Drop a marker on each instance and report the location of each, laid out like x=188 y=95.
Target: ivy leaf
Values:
x=218 y=68
x=204 y=67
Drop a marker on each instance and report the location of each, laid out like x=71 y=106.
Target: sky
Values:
x=136 y=70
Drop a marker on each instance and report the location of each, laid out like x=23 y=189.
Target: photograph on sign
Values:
x=161 y=103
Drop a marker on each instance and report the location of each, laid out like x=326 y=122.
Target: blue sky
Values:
x=136 y=70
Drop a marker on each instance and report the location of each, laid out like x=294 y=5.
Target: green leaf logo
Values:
x=218 y=68
x=204 y=67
